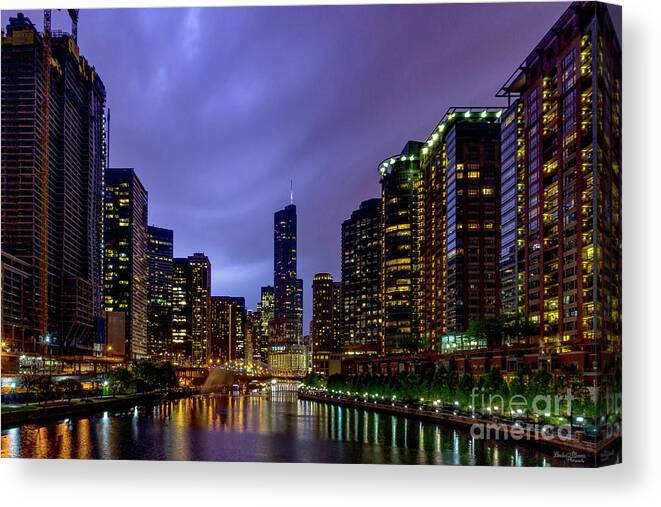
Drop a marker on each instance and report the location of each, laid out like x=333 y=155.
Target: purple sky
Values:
x=217 y=108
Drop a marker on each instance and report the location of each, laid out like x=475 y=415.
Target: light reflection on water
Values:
x=260 y=428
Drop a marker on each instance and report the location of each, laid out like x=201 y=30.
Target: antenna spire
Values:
x=291 y=191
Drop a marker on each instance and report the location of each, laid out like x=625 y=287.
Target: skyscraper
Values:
x=290 y=355
x=288 y=310
x=159 y=291
x=125 y=259
x=180 y=349
x=400 y=275
x=53 y=158
x=569 y=91
x=460 y=220
x=200 y=308
x=228 y=323
x=361 y=280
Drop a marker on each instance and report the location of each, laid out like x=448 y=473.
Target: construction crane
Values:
x=45 y=159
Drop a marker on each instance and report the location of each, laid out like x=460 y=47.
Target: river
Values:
x=275 y=427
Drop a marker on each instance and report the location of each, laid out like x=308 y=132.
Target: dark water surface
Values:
x=275 y=427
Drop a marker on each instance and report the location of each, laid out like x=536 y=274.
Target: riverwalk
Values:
x=570 y=445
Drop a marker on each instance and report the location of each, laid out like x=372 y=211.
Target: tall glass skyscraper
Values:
x=288 y=304
x=288 y=355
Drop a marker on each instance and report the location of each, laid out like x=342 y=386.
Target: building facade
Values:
x=569 y=95
x=400 y=251
x=159 y=291
x=461 y=224
x=125 y=259
x=512 y=209
x=361 y=280
x=53 y=159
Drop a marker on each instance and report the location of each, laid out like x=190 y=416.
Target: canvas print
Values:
x=358 y=234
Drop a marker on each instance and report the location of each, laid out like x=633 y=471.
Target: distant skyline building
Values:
x=286 y=330
x=180 y=349
x=288 y=307
x=125 y=259
x=253 y=336
x=53 y=159
x=159 y=290
x=400 y=275
x=322 y=325
x=200 y=308
x=228 y=323
x=569 y=88
x=361 y=280
x=265 y=308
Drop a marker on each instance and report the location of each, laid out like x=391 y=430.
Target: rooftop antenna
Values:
x=291 y=191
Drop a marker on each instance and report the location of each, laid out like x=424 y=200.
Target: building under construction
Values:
x=53 y=157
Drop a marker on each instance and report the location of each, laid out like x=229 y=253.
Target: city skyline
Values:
x=241 y=252
x=485 y=278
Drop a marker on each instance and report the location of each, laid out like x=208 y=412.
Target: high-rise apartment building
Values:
x=125 y=259
x=361 y=280
x=159 y=291
x=460 y=222
x=567 y=96
x=400 y=274
x=53 y=159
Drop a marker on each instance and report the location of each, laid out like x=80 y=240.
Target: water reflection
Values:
x=277 y=428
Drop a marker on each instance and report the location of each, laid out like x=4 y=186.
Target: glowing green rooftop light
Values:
x=467 y=114
x=434 y=136
x=500 y=111
x=403 y=158
x=483 y=114
x=441 y=127
x=425 y=150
